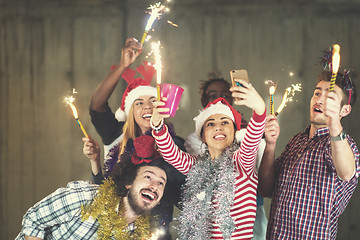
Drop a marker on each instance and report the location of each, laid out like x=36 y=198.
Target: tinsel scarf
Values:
x=207 y=181
x=106 y=209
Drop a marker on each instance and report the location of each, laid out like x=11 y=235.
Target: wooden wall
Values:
x=47 y=48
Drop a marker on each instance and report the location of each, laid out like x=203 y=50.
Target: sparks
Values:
x=171 y=23
x=288 y=96
x=69 y=100
x=156 y=11
x=155 y=46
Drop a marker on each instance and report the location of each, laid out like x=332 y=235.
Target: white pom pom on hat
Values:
x=136 y=88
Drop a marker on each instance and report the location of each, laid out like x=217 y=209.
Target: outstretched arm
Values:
x=129 y=53
x=267 y=166
x=171 y=153
x=342 y=154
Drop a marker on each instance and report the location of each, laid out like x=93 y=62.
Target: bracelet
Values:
x=159 y=127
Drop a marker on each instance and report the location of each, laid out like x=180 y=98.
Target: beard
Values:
x=135 y=205
x=318 y=120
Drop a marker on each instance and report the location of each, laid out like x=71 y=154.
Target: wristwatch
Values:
x=339 y=137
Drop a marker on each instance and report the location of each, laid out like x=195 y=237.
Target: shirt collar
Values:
x=318 y=133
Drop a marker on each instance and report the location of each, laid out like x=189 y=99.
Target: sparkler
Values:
x=156 y=11
x=335 y=65
x=288 y=96
x=271 y=92
x=158 y=66
x=69 y=101
x=158 y=233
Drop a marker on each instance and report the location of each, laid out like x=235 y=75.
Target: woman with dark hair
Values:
x=220 y=192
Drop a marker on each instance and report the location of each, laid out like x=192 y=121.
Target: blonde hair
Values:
x=130 y=130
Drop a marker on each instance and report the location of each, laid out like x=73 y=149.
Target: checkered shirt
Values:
x=58 y=216
x=309 y=197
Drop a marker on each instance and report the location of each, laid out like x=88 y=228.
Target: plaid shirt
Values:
x=58 y=216
x=309 y=196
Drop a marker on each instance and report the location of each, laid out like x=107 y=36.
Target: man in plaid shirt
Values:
x=139 y=183
x=313 y=180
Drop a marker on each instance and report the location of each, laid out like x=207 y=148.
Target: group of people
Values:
x=217 y=177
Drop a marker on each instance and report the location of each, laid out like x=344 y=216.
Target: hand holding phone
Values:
x=239 y=74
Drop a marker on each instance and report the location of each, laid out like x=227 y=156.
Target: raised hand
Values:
x=130 y=52
x=272 y=129
x=332 y=110
x=158 y=112
x=91 y=149
x=248 y=96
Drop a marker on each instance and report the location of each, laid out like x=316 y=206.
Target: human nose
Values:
x=219 y=127
x=153 y=186
x=148 y=105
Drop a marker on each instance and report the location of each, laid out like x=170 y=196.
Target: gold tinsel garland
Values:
x=106 y=209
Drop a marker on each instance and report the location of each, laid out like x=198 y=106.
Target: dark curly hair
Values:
x=124 y=173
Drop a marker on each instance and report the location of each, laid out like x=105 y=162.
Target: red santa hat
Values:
x=137 y=87
x=219 y=106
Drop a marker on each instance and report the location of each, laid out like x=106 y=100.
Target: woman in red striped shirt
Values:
x=219 y=199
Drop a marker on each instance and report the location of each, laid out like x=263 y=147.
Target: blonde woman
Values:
x=131 y=120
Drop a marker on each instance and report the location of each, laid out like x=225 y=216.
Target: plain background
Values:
x=47 y=48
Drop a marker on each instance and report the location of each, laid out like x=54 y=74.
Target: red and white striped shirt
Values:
x=243 y=209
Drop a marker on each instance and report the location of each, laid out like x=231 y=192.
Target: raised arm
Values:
x=342 y=154
x=171 y=153
x=129 y=53
x=267 y=166
x=246 y=95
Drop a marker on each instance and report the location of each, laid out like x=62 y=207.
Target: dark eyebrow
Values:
x=141 y=99
x=225 y=118
x=222 y=118
x=210 y=119
x=151 y=172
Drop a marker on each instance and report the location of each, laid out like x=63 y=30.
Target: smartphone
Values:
x=239 y=74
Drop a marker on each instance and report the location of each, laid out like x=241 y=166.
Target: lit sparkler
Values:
x=288 y=96
x=271 y=92
x=70 y=101
x=335 y=65
x=156 y=11
x=157 y=234
x=158 y=66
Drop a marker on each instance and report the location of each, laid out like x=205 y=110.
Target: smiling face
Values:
x=147 y=189
x=218 y=133
x=317 y=116
x=143 y=107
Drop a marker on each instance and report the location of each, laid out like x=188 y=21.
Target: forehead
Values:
x=155 y=171
x=325 y=86
x=144 y=98
x=218 y=116
x=217 y=86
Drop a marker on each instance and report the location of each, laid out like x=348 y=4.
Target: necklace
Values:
x=106 y=209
